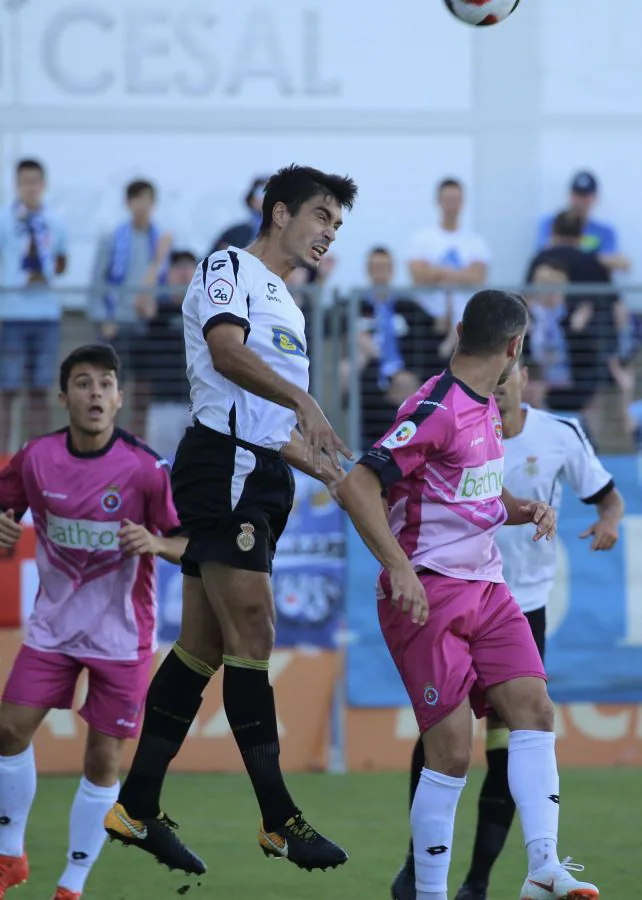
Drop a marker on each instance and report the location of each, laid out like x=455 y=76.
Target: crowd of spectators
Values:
x=579 y=341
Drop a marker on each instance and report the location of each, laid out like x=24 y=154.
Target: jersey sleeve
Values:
x=585 y=473
x=610 y=243
x=224 y=296
x=162 y=517
x=13 y=494
x=408 y=445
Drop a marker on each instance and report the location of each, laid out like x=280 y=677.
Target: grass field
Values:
x=601 y=822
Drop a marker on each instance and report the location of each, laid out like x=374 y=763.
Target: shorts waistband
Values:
x=239 y=442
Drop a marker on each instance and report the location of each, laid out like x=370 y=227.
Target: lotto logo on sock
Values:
x=438 y=850
x=555 y=798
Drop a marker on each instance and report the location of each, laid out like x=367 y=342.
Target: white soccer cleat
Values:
x=557 y=883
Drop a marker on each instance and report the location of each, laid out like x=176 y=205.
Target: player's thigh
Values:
x=201 y=634
x=103 y=755
x=523 y=704
x=243 y=604
x=116 y=693
x=448 y=745
x=37 y=682
x=434 y=659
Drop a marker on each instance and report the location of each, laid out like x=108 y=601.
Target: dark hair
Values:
x=295 y=185
x=99 y=355
x=555 y=264
x=568 y=225
x=491 y=320
x=26 y=164
x=136 y=188
x=381 y=250
x=178 y=257
x=448 y=182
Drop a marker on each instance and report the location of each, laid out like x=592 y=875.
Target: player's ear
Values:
x=280 y=215
x=62 y=399
x=458 y=330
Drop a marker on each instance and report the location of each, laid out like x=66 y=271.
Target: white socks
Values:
x=17 y=790
x=86 y=831
x=535 y=785
x=432 y=819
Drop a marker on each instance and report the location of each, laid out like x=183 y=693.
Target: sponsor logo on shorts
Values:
x=431 y=695
x=499 y=431
x=125 y=724
x=402 y=436
x=220 y=292
x=286 y=342
x=245 y=539
x=481 y=482
x=111 y=500
x=83 y=534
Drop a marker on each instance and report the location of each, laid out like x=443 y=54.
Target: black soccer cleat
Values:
x=403 y=887
x=302 y=845
x=156 y=836
x=468 y=892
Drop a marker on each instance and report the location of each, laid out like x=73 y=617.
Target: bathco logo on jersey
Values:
x=482 y=482
x=83 y=534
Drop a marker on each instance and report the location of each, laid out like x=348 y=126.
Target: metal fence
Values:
x=367 y=353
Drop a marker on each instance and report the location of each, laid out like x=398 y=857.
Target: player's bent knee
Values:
x=13 y=739
x=253 y=637
x=18 y=724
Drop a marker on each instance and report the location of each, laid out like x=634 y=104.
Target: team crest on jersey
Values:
x=499 y=431
x=220 y=292
x=532 y=468
x=245 y=539
x=286 y=342
x=402 y=436
x=111 y=500
x=431 y=694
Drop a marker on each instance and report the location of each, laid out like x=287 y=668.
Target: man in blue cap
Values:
x=598 y=237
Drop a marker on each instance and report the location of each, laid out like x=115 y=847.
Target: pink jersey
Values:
x=92 y=601
x=442 y=465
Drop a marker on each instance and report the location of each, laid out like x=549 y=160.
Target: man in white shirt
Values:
x=247 y=365
x=444 y=255
x=540 y=449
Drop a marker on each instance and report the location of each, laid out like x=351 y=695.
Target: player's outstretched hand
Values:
x=409 y=593
x=605 y=535
x=10 y=530
x=542 y=515
x=318 y=435
x=136 y=540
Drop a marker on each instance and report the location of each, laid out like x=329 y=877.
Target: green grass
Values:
x=366 y=813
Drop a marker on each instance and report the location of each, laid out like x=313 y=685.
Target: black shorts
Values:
x=233 y=500
x=537 y=620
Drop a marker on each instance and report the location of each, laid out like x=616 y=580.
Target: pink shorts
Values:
x=115 y=695
x=476 y=636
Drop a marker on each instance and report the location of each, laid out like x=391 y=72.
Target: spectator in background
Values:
x=597 y=237
x=546 y=342
x=134 y=254
x=243 y=233
x=589 y=320
x=165 y=369
x=33 y=251
x=394 y=335
x=445 y=255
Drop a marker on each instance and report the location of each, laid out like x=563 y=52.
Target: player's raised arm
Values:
x=245 y=368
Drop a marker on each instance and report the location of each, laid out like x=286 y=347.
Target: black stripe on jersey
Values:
x=380 y=459
x=584 y=441
x=235 y=265
x=601 y=494
x=134 y=441
x=232 y=420
x=204 y=270
x=231 y=319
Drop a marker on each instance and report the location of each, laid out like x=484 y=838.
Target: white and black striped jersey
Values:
x=234 y=286
x=548 y=451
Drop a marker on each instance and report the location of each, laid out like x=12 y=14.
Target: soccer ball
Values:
x=482 y=12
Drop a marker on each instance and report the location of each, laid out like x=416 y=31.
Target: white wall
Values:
x=199 y=96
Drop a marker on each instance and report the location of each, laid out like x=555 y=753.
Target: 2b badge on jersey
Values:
x=220 y=292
